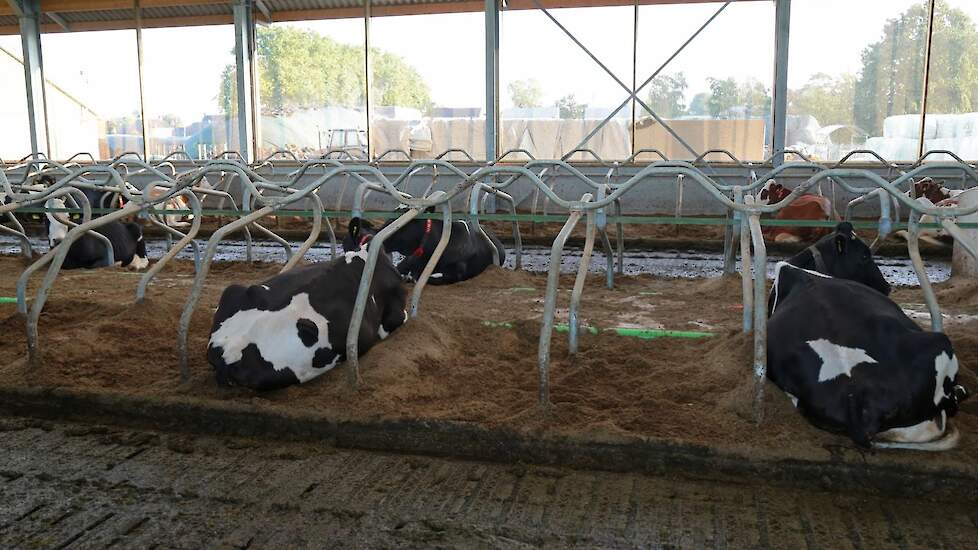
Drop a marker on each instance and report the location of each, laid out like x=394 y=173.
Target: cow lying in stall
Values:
x=932 y=193
x=850 y=359
x=128 y=246
x=293 y=327
x=806 y=207
x=466 y=256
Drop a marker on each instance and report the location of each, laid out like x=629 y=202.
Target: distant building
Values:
x=74 y=127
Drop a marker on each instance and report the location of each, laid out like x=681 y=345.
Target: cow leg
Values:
x=862 y=422
x=410 y=268
x=454 y=273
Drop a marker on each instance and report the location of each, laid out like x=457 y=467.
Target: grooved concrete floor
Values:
x=84 y=486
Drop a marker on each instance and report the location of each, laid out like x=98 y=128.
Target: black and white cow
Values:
x=853 y=362
x=87 y=251
x=293 y=327
x=832 y=328
x=843 y=255
x=466 y=256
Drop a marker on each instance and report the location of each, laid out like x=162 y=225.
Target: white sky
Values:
x=183 y=66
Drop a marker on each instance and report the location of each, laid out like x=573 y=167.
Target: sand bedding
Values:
x=447 y=364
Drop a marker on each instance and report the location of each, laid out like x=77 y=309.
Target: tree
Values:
x=570 y=108
x=829 y=99
x=698 y=106
x=891 y=80
x=526 y=93
x=300 y=69
x=667 y=95
x=731 y=98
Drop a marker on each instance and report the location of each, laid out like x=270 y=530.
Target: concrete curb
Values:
x=469 y=441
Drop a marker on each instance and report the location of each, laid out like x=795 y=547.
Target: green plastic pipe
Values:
x=641 y=333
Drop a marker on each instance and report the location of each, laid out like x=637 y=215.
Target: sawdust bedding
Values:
x=448 y=364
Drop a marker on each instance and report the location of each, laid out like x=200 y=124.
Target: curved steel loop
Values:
x=187 y=238
x=463 y=152
x=381 y=156
x=80 y=200
x=374 y=247
x=201 y=275
x=60 y=252
x=126 y=154
x=225 y=154
x=283 y=152
x=951 y=154
x=703 y=155
x=550 y=302
x=317 y=224
x=429 y=268
x=514 y=151
x=648 y=151
x=329 y=152
x=91 y=158
x=795 y=152
x=75 y=179
x=178 y=152
x=584 y=150
x=874 y=154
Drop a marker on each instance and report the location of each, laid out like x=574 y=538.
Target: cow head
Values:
x=405 y=240
x=358 y=233
x=842 y=254
x=56 y=229
x=929 y=189
x=772 y=192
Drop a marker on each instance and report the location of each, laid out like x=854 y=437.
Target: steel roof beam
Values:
x=59 y=20
x=15 y=6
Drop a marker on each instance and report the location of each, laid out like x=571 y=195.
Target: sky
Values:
x=183 y=66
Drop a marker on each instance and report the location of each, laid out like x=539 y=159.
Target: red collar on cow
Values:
x=419 y=251
x=365 y=239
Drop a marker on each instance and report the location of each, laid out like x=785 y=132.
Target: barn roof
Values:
x=89 y=15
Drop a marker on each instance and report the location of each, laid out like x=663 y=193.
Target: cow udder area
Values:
x=450 y=364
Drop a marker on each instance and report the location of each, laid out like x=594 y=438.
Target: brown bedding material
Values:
x=447 y=364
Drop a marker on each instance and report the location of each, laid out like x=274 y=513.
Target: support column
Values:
x=779 y=120
x=244 y=51
x=492 y=79
x=30 y=35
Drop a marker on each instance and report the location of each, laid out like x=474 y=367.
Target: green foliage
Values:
x=891 y=80
x=570 y=108
x=698 y=106
x=300 y=69
x=526 y=93
x=829 y=99
x=730 y=98
x=667 y=95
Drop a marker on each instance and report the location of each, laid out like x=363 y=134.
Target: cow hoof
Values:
x=138 y=264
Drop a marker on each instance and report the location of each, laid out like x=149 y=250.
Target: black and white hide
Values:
x=853 y=362
x=467 y=255
x=293 y=327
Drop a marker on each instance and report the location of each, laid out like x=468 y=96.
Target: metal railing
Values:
x=263 y=196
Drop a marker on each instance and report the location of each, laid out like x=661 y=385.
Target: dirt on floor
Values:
x=449 y=364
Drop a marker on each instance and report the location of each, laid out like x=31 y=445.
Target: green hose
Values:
x=641 y=333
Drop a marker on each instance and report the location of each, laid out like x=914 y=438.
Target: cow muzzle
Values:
x=960 y=394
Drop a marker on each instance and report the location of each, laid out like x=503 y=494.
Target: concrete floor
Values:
x=87 y=486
